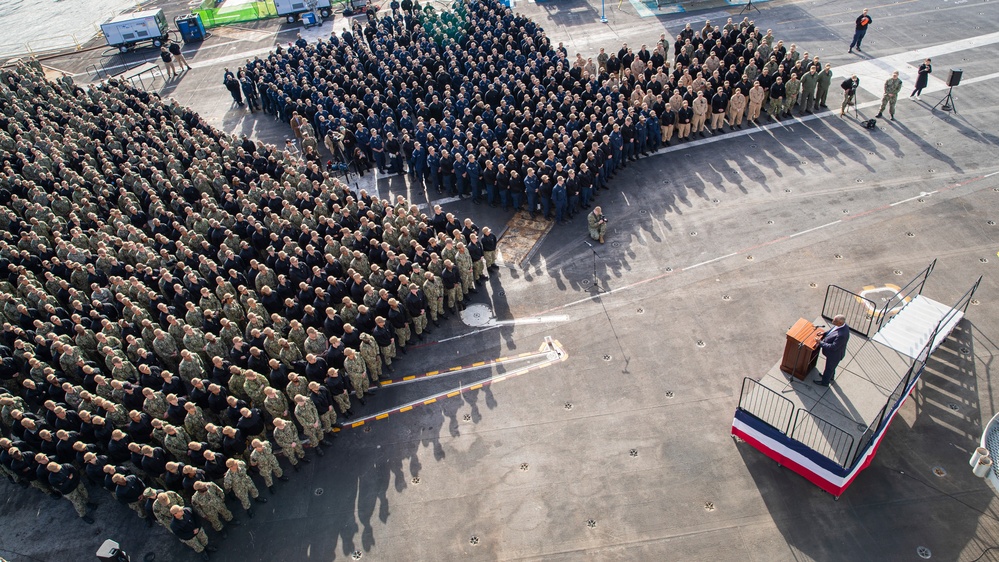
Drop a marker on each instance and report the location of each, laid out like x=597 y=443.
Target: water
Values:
x=33 y=25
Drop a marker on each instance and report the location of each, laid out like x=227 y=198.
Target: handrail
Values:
x=961 y=305
x=905 y=292
x=766 y=407
x=840 y=438
x=856 y=308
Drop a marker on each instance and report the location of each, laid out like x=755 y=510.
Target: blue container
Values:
x=191 y=28
x=308 y=19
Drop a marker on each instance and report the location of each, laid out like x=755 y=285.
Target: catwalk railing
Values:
x=766 y=405
x=858 y=310
x=823 y=437
x=904 y=295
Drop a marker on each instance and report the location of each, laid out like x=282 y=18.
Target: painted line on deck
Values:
x=814 y=229
x=689 y=267
x=552 y=351
x=408 y=379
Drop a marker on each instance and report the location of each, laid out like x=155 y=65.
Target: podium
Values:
x=801 y=351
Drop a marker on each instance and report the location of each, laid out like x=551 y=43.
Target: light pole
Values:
x=603 y=13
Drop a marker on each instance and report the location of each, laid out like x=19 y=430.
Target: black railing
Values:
x=875 y=426
x=914 y=370
x=766 y=405
x=859 y=311
x=905 y=294
x=822 y=436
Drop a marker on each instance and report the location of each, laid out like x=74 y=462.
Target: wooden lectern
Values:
x=801 y=350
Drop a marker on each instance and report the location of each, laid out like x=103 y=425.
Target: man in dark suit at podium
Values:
x=833 y=346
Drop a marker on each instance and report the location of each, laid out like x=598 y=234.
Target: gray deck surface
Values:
x=656 y=364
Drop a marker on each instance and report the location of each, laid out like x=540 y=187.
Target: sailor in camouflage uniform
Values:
x=267 y=464
x=209 y=503
x=238 y=482
x=286 y=437
x=308 y=418
x=357 y=372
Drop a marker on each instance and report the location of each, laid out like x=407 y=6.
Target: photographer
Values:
x=849 y=86
x=597 y=223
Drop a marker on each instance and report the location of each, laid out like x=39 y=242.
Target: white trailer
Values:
x=128 y=30
x=292 y=9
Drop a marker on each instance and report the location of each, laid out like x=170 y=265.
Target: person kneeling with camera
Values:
x=597 y=223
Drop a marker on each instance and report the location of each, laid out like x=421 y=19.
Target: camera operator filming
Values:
x=597 y=223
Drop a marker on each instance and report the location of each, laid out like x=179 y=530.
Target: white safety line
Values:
x=709 y=261
x=814 y=229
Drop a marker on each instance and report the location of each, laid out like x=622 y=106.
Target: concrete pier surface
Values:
x=622 y=450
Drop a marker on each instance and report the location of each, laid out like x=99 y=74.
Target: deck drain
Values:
x=591 y=523
x=813 y=285
x=415 y=480
x=939 y=472
x=693 y=233
x=502 y=293
x=318 y=491
x=607 y=357
x=939 y=144
x=965 y=350
x=750 y=258
x=897 y=272
x=709 y=506
x=860 y=181
x=367 y=429
x=983 y=260
x=643 y=212
x=921 y=200
x=846 y=211
x=787 y=191
x=726 y=298
x=665 y=182
x=990 y=223
x=861 y=427
x=633 y=452
x=931 y=170
x=524 y=466
x=770 y=222
x=669 y=269
x=923 y=552
x=585 y=282
x=640 y=311
x=715 y=201
x=953 y=406
x=700 y=343
x=910 y=234
x=669 y=394
x=356 y=555
x=975 y=302
x=838 y=256
x=568 y=405
x=803 y=163
x=616 y=244
x=473 y=540
x=467 y=417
